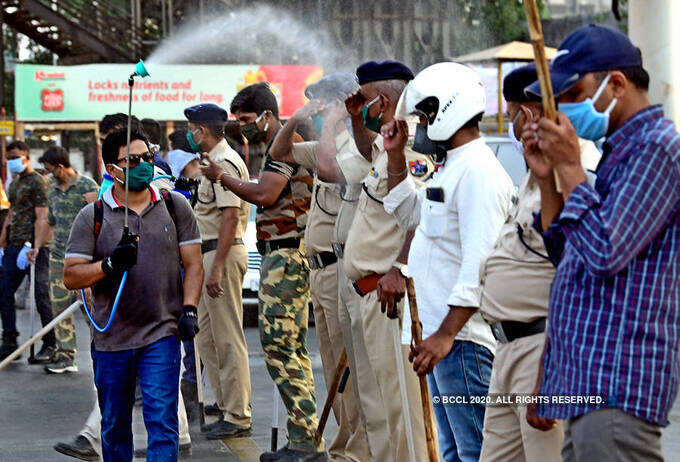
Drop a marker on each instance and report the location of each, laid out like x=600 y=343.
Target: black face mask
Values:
x=424 y=145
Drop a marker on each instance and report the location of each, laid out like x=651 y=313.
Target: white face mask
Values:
x=511 y=133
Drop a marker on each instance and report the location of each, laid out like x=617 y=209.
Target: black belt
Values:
x=210 y=245
x=321 y=260
x=264 y=247
x=508 y=331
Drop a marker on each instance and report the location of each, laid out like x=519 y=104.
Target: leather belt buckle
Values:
x=338 y=249
x=499 y=333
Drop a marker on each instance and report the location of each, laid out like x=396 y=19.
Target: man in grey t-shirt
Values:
x=156 y=306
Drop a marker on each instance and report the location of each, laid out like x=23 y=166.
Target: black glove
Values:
x=123 y=257
x=187 y=326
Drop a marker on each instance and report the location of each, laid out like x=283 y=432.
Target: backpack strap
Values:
x=170 y=205
x=98 y=218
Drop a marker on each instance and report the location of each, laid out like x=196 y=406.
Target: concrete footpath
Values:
x=37 y=410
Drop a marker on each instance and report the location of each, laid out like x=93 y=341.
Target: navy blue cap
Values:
x=516 y=81
x=337 y=85
x=373 y=71
x=591 y=48
x=205 y=113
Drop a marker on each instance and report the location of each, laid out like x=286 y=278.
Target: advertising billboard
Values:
x=88 y=92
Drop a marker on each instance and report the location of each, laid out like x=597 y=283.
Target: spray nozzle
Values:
x=140 y=69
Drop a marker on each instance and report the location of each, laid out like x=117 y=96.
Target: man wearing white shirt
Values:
x=456 y=220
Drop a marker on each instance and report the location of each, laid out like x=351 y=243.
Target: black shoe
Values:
x=9 y=344
x=225 y=429
x=45 y=355
x=205 y=428
x=292 y=455
x=212 y=409
x=80 y=448
x=62 y=366
x=184 y=451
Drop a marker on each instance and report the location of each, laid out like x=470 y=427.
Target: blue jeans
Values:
x=464 y=372
x=158 y=367
x=11 y=279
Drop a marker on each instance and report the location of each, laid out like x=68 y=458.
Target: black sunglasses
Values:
x=135 y=159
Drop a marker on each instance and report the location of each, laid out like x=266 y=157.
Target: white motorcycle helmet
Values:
x=448 y=95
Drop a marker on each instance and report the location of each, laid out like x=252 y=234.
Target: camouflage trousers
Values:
x=62 y=298
x=283 y=314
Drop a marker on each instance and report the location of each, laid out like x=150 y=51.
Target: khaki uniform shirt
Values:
x=515 y=281
x=354 y=168
x=326 y=197
x=212 y=198
x=375 y=238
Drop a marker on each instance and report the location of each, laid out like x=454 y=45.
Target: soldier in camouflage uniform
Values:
x=27 y=216
x=283 y=196
x=69 y=192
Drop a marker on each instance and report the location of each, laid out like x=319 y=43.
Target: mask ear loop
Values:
x=601 y=88
x=266 y=126
x=598 y=93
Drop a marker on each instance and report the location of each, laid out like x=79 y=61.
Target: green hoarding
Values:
x=88 y=92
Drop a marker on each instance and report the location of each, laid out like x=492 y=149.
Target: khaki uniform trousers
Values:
x=381 y=355
x=221 y=340
x=363 y=380
x=350 y=442
x=507 y=435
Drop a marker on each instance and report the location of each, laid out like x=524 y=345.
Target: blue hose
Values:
x=113 y=310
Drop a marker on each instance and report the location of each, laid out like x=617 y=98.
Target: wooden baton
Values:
x=417 y=337
x=542 y=70
x=332 y=391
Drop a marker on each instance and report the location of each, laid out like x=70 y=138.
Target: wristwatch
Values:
x=403 y=268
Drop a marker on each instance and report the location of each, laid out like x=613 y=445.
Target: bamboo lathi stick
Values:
x=417 y=337
x=542 y=71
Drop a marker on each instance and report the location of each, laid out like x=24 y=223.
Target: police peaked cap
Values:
x=205 y=113
x=516 y=81
x=338 y=85
x=387 y=70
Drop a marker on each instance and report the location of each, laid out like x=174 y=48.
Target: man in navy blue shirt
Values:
x=612 y=352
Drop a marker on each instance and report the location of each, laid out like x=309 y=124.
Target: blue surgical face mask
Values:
x=588 y=123
x=16 y=166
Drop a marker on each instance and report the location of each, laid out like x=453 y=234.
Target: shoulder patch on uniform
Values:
x=418 y=168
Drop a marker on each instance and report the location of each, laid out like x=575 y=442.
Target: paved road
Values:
x=37 y=410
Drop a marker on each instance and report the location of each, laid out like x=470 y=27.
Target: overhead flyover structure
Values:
x=508 y=52
x=76 y=30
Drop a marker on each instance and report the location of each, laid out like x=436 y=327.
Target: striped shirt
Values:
x=614 y=316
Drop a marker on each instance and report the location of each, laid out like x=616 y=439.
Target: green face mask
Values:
x=317 y=122
x=372 y=123
x=192 y=143
x=253 y=133
x=140 y=176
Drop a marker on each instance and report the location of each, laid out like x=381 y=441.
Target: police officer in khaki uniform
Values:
x=328 y=115
x=283 y=195
x=222 y=218
x=373 y=245
x=516 y=282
